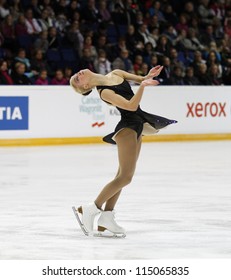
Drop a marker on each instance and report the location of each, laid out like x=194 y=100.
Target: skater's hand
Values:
x=154 y=72
x=150 y=82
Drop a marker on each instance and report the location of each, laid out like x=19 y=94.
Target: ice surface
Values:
x=177 y=206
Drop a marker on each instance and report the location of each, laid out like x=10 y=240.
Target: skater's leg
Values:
x=127 y=143
x=110 y=203
x=109 y=206
x=139 y=142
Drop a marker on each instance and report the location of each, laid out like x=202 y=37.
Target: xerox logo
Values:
x=13 y=113
x=214 y=109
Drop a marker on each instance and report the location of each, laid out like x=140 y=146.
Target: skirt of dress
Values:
x=140 y=121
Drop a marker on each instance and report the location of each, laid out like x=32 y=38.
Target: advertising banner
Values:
x=59 y=112
x=14 y=113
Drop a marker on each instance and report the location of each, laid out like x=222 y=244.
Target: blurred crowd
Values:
x=43 y=42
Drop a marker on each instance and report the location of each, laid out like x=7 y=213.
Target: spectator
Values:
x=215 y=75
x=148 y=53
x=203 y=76
x=102 y=30
x=120 y=46
x=101 y=43
x=213 y=47
x=187 y=32
x=190 y=79
x=86 y=60
x=155 y=9
x=38 y=62
x=131 y=9
x=137 y=64
x=8 y=32
x=21 y=57
x=183 y=23
x=197 y=61
x=144 y=35
x=102 y=64
x=53 y=39
x=42 y=42
x=104 y=13
x=61 y=24
x=44 y=4
x=123 y=62
x=165 y=74
x=153 y=61
x=90 y=14
x=42 y=79
x=20 y=26
x=208 y=36
x=3 y=11
x=195 y=25
x=75 y=37
x=59 y=79
x=68 y=73
x=72 y=9
x=87 y=44
x=154 y=23
x=51 y=13
x=212 y=59
x=163 y=46
x=18 y=75
x=189 y=10
x=170 y=32
x=32 y=25
x=155 y=33
x=175 y=61
x=227 y=27
x=119 y=15
x=225 y=51
x=131 y=39
x=61 y=7
x=143 y=71
x=218 y=29
x=5 y=78
x=176 y=77
x=227 y=76
x=218 y=9
x=16 y=9
x=204 y=12
x=194 y=41
x=170 y=15
x=45 y=21
x=182 y=43
x=33 y=5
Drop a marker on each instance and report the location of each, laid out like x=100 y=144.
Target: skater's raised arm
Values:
x=132 y=104
x=154 y=72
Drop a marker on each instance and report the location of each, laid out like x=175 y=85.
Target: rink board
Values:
x=36 y=115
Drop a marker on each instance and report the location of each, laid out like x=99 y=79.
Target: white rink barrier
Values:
x=56 y=114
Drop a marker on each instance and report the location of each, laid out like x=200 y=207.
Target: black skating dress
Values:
x=140 y=121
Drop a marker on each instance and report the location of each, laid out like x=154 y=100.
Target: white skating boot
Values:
x=88 y=213
x=107 y=226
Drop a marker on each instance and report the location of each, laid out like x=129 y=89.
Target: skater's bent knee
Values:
x=126 y=178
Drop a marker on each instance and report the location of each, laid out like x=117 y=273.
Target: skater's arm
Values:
x=119 y=101
x=154 y=72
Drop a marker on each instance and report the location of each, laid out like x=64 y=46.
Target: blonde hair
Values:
x=80 y=90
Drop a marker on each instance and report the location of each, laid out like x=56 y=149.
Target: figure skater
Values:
x=115 y=90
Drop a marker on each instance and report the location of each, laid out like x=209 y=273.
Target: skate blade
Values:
x=109 y=235
x=79 y=221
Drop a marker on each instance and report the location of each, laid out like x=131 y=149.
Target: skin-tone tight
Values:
x=128 y=152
